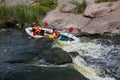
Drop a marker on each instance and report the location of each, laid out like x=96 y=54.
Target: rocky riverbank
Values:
x=98 y=18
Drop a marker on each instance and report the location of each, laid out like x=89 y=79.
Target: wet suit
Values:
x=42 y=32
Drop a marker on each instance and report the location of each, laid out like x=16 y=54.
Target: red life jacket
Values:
x=45 y=24
x=37 y=29
x=56 y=34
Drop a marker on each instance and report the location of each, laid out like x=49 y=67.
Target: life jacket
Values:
x=56 y=34
x=37 y=29
x=51 y=36
x=45 y=24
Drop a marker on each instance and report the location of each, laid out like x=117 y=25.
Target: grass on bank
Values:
x=48 y=3
x=2 y=1
x=80 y=7
x=26 y=14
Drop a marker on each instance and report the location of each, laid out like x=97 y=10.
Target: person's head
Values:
x=34 y=24
x=54 y=28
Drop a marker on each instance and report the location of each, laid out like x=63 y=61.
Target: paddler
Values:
x=55 y=33
x=37 y=30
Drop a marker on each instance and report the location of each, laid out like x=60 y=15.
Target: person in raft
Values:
x=37 y=30
x=56 y=34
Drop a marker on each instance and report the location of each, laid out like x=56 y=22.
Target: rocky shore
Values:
x=98 y=18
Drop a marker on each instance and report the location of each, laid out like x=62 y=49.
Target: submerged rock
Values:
x=9 y=23
x=57 y=57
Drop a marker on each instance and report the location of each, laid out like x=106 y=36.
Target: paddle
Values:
x=45 y=24
x=70 y=29
x=57 y=41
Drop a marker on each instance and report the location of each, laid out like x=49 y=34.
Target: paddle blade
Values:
x=45 y=24
x=51 y=36
x=70 y=29
x=57 y=41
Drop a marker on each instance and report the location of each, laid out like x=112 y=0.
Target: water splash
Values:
x=87 y=71
x=89 y=49
x=93 y=50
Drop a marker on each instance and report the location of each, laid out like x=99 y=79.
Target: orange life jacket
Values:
x=37 y=29
x=56 y=34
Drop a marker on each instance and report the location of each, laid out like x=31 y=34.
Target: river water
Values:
x=95 y=57
x=98 y=58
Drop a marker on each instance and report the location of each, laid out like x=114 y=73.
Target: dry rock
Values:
x=109 y=23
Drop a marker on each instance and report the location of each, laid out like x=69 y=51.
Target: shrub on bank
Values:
x=26 y=14
x=80 y=7
x=51 y=4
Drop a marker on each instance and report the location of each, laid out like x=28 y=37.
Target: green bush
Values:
x=4 y=12
x=51 y=4
x=80 y=7
x=2 y=1
x=25 y=14
x=41 y=9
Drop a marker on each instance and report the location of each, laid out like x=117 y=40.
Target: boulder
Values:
x=89 y=2
x=109 y=23
x=65 y=20
x=9 y=23
x=101 y=9
x=57 y=56
x=98 y=18
x=115 y=5
x=97 y=10
x=65 y=6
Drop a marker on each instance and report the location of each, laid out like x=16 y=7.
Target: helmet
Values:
x=34 y=23
x=54 y=28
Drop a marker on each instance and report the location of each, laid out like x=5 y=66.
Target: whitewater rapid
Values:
x=92 y=49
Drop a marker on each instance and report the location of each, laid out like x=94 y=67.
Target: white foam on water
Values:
x=89 y=72
x=88 y=49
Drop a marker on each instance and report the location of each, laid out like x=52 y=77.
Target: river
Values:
x=96 y=58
